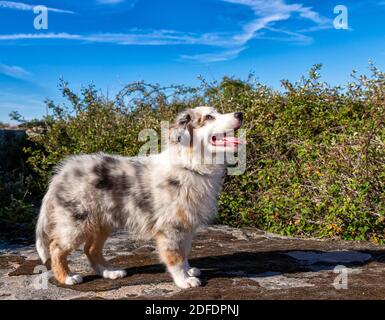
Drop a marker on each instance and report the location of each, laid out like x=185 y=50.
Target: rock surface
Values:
x=236 y=264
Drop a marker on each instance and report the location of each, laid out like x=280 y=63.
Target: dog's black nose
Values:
x=238 y=115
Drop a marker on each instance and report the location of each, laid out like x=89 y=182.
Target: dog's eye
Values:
x=209 y=117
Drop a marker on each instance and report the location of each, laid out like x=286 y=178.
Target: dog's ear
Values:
x=181 y=129
x=183 y=119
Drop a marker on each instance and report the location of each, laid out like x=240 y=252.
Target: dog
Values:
x=165 y=197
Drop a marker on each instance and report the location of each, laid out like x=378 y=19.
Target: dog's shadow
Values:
x=262 y=264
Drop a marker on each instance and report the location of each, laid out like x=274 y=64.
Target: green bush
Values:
x=315 y=157
x=17 y=204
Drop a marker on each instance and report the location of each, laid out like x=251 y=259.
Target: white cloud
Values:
x=35 y=36
x=214 y=57
x=14 y=71
x=110 y=1
x=27 y=7
x=128 y=4
x=267 y=14
x=137 y=37
x=134 y=37
x=290 y=36
x=264 y=8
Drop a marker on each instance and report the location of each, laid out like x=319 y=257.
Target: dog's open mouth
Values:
x=225 y=139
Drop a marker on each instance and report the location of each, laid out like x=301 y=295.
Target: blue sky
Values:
x=113 y=42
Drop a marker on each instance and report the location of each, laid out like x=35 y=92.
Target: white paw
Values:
x=194 y=272
x=73 y=279
x=189 y=282
x=113 y=273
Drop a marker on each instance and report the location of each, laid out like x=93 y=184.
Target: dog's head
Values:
x=206 y=127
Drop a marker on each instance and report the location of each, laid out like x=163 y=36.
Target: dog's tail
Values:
x=42 y=239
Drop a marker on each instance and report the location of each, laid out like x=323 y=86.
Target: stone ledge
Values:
x=241 y=263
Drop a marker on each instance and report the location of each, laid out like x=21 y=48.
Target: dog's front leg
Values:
x=172 y=251
x=192 y=272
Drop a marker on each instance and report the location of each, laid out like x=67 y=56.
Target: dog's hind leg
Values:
x=173 y=253
x=59 y=265
x=93 y=248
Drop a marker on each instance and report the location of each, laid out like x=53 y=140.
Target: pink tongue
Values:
x=234 y=140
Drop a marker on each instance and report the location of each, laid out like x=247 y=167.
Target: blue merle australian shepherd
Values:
x=165 y=197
